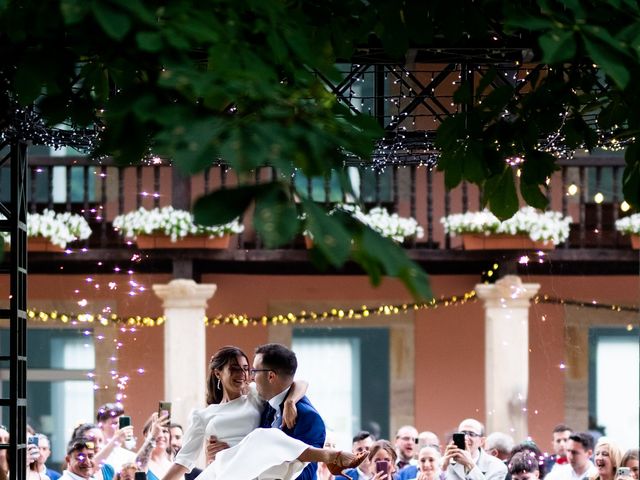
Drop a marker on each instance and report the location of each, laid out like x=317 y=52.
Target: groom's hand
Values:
x=213 y=447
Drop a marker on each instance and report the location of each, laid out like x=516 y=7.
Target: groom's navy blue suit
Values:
x=309 y=428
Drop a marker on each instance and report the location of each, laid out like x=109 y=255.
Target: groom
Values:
x=274 y=367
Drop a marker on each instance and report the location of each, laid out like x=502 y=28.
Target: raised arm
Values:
x=290 y=413
x=155 y=428
x=118 y=439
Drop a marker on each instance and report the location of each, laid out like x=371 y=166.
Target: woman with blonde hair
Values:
x=607 y=458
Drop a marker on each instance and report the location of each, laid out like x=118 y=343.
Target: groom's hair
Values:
x=278 y=358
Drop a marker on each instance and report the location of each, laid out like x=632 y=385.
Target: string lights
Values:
x=88 y=318
x=304 y=316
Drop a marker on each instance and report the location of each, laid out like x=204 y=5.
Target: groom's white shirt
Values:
x=275 y=403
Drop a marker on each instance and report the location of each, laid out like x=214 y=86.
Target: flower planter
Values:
x=195 y=241
x=479 y=241
x=308 y=242
x=42 y=244
x=635 y=242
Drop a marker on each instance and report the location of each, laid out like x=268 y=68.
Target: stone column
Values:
x=185 y=362
x=506 y=305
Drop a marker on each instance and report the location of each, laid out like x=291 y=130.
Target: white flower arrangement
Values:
x=539 y=226
x=58 y=228
x=171 y=222
x=629 y=225
x=387 y=224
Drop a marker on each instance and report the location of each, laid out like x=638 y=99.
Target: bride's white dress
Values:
x=255 y=453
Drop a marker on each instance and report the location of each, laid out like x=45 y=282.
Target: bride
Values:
x=233 y=415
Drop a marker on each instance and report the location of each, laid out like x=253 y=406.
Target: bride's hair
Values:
x=218 y=361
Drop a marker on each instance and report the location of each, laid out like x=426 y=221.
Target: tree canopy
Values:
x=197 y=81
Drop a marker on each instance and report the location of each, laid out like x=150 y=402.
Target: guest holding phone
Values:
x=470 y=461
x=383 y=458
x=115 y=437
x=631 y=460
x=154 y=456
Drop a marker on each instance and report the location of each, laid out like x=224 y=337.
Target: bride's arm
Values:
x=175 y=472
x=192 y=443
x=290 y=413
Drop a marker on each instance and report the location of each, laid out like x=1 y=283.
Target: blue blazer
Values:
x=309 y=428
x=352 y=474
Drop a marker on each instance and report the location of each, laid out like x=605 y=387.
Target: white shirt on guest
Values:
x=566 y=472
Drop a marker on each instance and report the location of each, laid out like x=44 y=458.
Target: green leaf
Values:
x=241 y=151
x=74 y=11
x=577 y=9
x=516 y=17
x=501 y=195
x=330 y=236
x=225 y=205
x=379 y=255
x=557 y=46
x=538 y=166
x=149 y=41
x=275 y=217
x=533 y=196
x=473 y=168
x=416 y=15
x=631 y=185
x=392 y=31
x=497 y=100
x=632 y=154
x=463 y=94
x=28 y=82
x=115 y=23
x=139 y=9
x=451 y=164
x=609 y=59
x=450 y=131
x=631 y=176
x=486 y=80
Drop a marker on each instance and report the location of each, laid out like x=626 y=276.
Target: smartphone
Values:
x=164 y=408
x=140 y=476
x=35 y=453
x=124 y=421
x=623 y=472
x=382 y=466
x=459 y=441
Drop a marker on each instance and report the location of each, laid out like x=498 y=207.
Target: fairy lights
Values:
x=330 y=315
x=339 y=314
x=89 y=318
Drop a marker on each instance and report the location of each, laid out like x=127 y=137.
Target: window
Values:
x=59 y=392
x=614 y=383
x=348 y=374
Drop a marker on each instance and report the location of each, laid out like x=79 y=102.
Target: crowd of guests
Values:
x=106 y=450
x=421 y=456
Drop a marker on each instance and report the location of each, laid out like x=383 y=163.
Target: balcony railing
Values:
x=587 y=188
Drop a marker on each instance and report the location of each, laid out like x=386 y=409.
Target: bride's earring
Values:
x=219 y=387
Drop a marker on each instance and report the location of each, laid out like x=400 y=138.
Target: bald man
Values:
x=472 y=463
